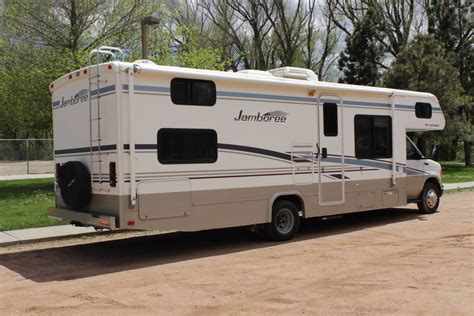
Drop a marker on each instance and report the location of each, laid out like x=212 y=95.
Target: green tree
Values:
x=25 y=101
x=361 y=59
x=75 y=25
x=424 y=66
x=450 y=24
x=189 y=52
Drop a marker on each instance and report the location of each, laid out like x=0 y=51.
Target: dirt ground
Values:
x=383 y=262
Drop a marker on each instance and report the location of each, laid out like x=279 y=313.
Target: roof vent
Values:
x=144 y=61
x=252 y=72
x=294 y=73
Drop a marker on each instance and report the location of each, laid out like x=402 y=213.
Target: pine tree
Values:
x=424 y=66
x=361 y=59
x=450 y=24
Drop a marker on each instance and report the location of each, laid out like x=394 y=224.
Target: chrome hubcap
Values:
x=284 y=221
x=431 y=198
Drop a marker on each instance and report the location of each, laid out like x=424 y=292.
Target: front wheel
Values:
x=429 y=200
x=285 y=221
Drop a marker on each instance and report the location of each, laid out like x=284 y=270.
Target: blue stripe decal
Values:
x=245 y=95
x=264 y=96
x=413 y=172
x=360 y=162
x=376 y=104
x=103 y=90
x=141 y=88
x=359 y=103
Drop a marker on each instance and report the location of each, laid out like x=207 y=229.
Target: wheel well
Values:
x=435 y=182
x=295 y=199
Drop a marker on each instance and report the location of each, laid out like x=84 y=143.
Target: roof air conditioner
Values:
x=294 y=73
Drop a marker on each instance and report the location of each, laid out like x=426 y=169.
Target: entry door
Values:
x=330 y=150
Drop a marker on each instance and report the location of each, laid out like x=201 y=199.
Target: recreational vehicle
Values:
x=143 y=146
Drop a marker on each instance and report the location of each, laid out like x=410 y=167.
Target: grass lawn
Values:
x=455 y=172
x=25 y=203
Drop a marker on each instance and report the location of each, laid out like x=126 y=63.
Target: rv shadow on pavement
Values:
x=86 y=260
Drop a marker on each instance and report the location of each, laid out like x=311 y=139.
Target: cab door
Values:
x=415 y=170
x=330 y=150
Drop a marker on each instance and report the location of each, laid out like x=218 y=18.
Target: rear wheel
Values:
x=285 y=221
x=429 y=200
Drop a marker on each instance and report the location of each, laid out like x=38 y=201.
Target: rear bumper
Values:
x=86 y=219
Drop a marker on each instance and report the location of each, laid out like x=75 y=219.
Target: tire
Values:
x=429 y=199
x=74 y=184
x=285 y=221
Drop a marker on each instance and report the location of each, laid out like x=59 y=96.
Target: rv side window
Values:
x=193 y=92
x=373 y=136
x=423 y=110
x=330 y=119
x=186 y=146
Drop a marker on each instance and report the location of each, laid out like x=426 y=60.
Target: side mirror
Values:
x=435 y=152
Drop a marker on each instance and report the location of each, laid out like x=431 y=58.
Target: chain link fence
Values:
x=26 y=156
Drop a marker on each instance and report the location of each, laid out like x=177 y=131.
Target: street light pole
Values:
x=149 y=20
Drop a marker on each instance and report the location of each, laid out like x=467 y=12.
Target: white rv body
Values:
x=259 y=159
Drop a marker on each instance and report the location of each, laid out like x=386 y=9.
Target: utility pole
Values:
x=149 y=20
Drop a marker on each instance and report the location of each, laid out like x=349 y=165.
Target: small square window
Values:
x=423 y=110
x=193 y=92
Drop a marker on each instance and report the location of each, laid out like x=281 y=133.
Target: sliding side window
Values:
x=373 y=136
x=187 y=146
x=193 y=92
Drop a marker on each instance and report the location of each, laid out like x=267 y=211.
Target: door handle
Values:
x=317 y=150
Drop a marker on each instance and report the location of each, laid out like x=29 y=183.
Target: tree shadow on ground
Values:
x=86 y=260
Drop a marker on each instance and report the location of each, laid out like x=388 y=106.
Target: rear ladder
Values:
x=95 y=141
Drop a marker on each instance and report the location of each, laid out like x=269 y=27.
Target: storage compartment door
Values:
x=164 y=198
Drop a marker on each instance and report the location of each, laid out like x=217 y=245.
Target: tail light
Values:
x=112 y=174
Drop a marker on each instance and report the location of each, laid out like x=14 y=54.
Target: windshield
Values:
x=413 y=153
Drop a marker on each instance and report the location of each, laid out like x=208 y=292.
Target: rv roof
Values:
x=246 y=75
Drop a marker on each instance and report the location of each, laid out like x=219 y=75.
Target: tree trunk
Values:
x=467 y=153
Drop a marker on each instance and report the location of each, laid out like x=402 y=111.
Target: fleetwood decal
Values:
x=274 y=116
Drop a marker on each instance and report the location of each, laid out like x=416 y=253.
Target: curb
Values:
x=458 y=186
x=8 y=238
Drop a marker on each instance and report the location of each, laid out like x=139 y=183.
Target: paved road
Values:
x=392 y=261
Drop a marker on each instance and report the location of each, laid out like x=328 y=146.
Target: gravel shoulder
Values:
x=382 y=262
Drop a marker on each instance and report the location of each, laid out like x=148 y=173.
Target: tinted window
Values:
x=423 y=110
x=330 y=119
x=373 y=136
x=179 y=146
x=193 y=92
x=413 y=153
